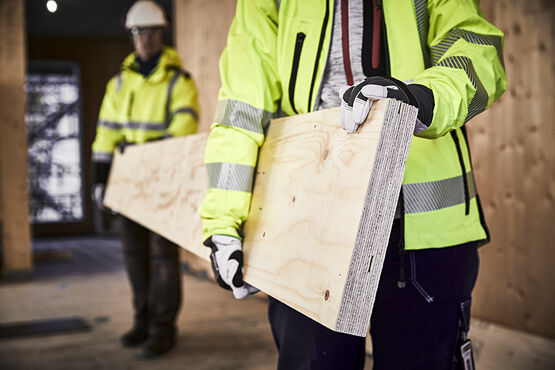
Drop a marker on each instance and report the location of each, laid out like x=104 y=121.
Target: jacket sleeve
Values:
x=108 y=130
x=183 y=107
x=249 y=94
x=467 y=72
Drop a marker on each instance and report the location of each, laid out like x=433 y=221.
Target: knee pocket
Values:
x=444 y=275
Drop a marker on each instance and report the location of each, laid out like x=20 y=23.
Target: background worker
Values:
x=297 y=55
x=151 y=98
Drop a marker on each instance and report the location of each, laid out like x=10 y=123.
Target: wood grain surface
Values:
x=16 y=243
x=161 y=185
x=307 y=205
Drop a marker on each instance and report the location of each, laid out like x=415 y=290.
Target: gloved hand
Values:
x=227 y=264
x=357 y=100
x=97 y=195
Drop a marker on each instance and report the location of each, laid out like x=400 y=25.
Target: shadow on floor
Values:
x=76 y=256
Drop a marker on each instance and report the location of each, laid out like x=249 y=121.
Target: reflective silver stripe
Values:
x=169 y=97
x=187 y=110
x=421 y=10
x=238 y=114
x=150 y=126
x=474 y=38
x=431 y=196
x=110 y=125
x=480 y=100
x=102 y=157
x=230 y=176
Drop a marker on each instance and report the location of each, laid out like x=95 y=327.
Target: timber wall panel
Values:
x=16 y=241
x=514 y=162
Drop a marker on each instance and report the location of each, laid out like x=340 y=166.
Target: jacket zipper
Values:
x=478 y=203
x=376 y=36
x=320 y=45
x=463 y=169
x=130 y=105
x=295 y=68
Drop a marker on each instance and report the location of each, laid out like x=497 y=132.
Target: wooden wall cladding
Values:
x=201 y=28
x=514 y=162
x=511 y=145
x=16 y=243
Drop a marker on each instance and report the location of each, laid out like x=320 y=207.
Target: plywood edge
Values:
x=377 y=218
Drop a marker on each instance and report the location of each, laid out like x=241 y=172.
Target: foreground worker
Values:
x=151 y=98
x=306 y=55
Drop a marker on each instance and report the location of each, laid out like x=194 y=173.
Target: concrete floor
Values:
x=215 y=331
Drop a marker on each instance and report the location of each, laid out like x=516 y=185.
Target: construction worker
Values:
x=300 y=56
x=151 y=98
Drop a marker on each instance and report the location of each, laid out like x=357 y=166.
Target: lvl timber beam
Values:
x=321 y=213
x=16 y=243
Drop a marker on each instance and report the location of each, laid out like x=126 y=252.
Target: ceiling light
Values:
x=52 y=6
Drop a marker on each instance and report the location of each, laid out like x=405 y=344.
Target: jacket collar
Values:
x=168 y=60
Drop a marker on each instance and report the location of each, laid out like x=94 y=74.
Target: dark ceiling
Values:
x=81 y=18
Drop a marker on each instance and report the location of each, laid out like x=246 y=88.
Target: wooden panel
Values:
x=16 y=242
x=514 y=158
x=317 y=231
x=161 y=185
x=201 y=28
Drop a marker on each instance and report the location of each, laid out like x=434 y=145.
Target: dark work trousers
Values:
x=415 y=327
x=152 y=264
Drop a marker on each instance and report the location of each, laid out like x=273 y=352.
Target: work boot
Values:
x=137 y=335
x=156 y=346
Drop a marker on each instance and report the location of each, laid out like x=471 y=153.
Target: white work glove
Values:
x=97 y=195
x=357 y=100
x=227 y=264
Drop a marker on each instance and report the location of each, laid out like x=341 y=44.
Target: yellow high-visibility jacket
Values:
x=446 y=46
x=138 y=109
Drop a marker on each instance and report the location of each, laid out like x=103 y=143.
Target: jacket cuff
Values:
x=425 y=99
x=100 y=172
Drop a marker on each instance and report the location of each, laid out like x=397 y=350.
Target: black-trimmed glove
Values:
x=100 y=172
x=227 y=264
x=97 y=195
x=357 y=100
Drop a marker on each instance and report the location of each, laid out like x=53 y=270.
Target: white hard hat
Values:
x=145 y=13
